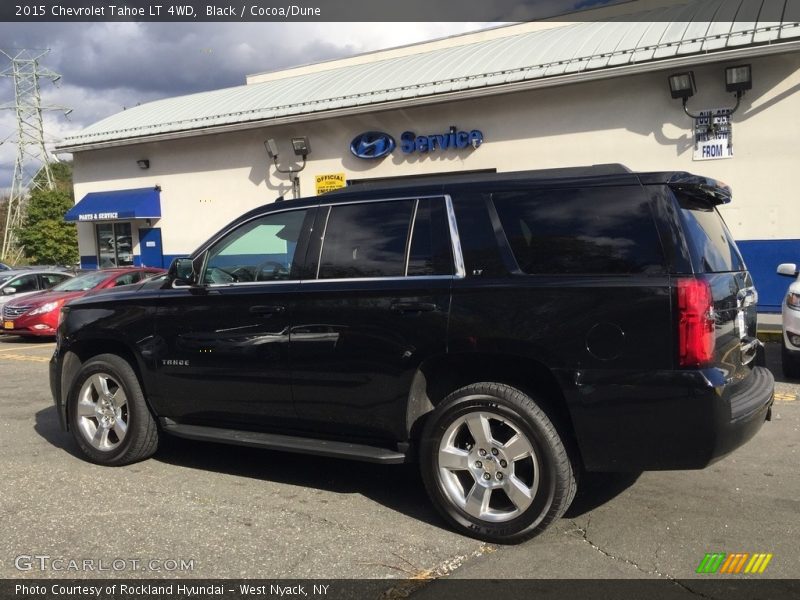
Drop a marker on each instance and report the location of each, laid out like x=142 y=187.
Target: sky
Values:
x=106 y=67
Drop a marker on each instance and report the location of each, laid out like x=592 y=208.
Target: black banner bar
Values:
x=310 y=10
x=731 y=588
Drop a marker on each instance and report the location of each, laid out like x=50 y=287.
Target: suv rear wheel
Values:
x=494 y=464
x=108 y=415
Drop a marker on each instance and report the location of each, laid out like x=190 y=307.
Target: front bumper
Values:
x=55 y=389
x=668 y=419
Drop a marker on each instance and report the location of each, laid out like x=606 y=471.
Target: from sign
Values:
x=329 y=182
x=713 y=135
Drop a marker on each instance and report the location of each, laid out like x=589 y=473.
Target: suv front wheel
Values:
x=108 y=415
x=494 y=464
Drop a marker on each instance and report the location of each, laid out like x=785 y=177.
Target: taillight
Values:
x=695 y=323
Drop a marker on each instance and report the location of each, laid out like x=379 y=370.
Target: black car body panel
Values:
x=585 y=308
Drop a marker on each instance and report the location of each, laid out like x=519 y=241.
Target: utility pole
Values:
x=32 y=156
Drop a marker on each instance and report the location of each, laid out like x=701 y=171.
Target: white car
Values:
x=790 y=313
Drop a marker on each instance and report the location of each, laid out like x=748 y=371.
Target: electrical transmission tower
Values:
x=32 y=156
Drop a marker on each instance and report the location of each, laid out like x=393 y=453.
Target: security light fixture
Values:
x=738 y=79
x=301 y=148
x=272 y=148
x=681 y=85
x=143 y=163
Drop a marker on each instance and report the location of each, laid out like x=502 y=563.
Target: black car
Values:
x=504 y=330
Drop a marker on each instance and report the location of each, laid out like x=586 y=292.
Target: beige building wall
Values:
x=208 y=180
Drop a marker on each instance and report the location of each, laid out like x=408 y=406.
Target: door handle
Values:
x=413 y=307
x=267 y=310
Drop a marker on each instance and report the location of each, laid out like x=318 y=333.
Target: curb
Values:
x=770 y=336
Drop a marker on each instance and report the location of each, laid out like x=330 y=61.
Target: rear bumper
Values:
x=666 y=420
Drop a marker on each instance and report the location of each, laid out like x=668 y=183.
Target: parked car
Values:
x=5 y=267
x=37 y=314
x=790 y=319
x=26 y=281
x=504 y=330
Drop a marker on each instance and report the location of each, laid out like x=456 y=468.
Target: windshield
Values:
x=82 y=282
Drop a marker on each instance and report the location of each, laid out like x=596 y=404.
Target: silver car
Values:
x=22 y=282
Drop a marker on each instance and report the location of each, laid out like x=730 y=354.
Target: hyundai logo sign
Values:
x=372 y=144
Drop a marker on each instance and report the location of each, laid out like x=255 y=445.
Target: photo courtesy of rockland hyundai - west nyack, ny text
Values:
x=370 y=300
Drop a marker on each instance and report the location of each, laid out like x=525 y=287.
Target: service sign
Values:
x=329 y=182
x=713 y=135
x=372 y=145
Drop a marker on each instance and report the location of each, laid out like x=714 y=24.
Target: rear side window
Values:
x=386 y=239
x=366 y=240
x=608 y=230
x=431 y=251
x=710 y=242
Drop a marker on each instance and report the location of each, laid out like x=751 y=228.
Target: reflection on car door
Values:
x=223 y=355
x=377 y=308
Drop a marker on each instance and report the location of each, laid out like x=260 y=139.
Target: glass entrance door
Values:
x=114 y=245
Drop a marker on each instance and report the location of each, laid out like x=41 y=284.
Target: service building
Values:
x=154 y=181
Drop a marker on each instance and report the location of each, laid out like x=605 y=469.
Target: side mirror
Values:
x=9 y=291
x=787 y=269
x=181 y=272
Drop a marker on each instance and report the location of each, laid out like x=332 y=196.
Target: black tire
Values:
x=453 y=489
x=789 y=364
x=119 y=401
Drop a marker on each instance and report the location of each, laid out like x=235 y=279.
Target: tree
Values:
x=45 y=236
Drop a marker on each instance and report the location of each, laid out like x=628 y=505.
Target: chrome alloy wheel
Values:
x=488 y=467
x=102 y=412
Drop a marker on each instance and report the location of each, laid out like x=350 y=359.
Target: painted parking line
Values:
x=785 y=397
x=18 y=348
x=27 y=357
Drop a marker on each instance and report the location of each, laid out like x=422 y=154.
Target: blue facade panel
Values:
x=762 y=258
x=89 y=261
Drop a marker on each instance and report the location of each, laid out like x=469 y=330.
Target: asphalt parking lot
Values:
x=238 y=512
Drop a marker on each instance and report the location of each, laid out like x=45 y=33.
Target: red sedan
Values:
x=37 y=314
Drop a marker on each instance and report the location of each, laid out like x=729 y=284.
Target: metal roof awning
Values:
x=140 y=203
x=694 y=33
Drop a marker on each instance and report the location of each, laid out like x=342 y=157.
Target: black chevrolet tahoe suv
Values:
x=506 y=331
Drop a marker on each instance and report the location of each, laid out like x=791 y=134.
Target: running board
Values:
x=274 y=441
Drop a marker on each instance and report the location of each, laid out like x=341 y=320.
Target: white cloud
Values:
x=106 y=67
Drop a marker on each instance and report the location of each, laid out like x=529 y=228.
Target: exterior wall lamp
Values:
x=738 y=79
x=301 y=148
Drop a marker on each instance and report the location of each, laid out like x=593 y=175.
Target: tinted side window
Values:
x=51 y=279
x=584 y=230
x=26 y=283
x=260 y=250
x=366 y=240
x=431 y=250
x=711 y=242
x=127 y=279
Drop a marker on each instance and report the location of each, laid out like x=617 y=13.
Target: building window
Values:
x=114 y=245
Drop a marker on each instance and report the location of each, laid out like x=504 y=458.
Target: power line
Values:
x=32 y=165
